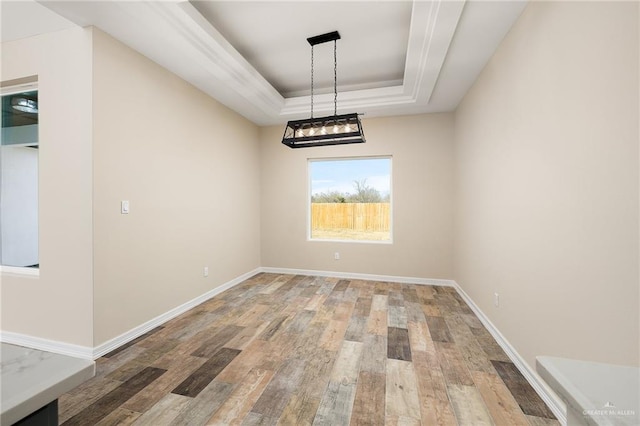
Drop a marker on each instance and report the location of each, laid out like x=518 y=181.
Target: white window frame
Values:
x=309 y=193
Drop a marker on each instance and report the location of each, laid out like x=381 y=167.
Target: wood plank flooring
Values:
x=298 y=350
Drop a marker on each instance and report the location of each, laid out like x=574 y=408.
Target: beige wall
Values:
x=421 y=147
x=190 y=169
x=57 y=305
x=535 y=184
x=547 y=183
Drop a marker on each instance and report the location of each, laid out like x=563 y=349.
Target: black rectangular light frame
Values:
x=297 y=135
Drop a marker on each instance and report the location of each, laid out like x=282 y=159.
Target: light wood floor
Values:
x=296 y=350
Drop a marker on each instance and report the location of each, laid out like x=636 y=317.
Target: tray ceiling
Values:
x=395 y=57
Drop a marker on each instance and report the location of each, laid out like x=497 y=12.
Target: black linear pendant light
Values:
x=330 y=130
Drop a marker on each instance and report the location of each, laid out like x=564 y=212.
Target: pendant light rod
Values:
x=335 y=76
x=325 y=38
x=312 y=81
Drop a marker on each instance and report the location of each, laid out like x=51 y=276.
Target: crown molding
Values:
x=220 y=57
x=175 y=35
x=433 y=25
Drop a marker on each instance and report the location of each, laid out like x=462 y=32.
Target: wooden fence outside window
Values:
x=355 y=216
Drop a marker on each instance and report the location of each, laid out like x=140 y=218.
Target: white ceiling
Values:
x=395 y=57
x=377 y=45
x=21 y=19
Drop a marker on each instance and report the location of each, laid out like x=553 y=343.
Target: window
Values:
x=350 y=199
x=19 y=178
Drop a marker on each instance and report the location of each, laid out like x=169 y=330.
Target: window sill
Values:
x=19 y=271
x=380 y=242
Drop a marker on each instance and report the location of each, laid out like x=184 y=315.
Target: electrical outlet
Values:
x=336 y=256
x=205 y=271
x=496 y=300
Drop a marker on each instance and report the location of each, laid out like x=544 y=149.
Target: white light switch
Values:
x=124 y=207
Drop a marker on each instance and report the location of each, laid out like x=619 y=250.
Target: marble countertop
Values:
x=604 y=394
x=31 y=379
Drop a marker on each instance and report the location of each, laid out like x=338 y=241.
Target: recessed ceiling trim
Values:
x=425 y=50
x=222 y=71
x=223 y=59
x=423 y=15
x=347 y=88
x=249 y=83
x=161 y=32
x=176 y=36
x=433 y=25
x=355 y=99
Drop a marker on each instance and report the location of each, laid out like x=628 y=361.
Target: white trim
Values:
x=433 y=25
x=542 y=389
x=357 y=276
x=379 y=242
x=19 y=271
x=138 y=331
x=47 y=345
x=196 y=51
x=31 y=86
x=96 y=352
x=310 y=194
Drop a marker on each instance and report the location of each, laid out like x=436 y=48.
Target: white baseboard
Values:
x=96 y=352
x=46 y=345
x=357 y=276
x=138 y=331
x=542 y=389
